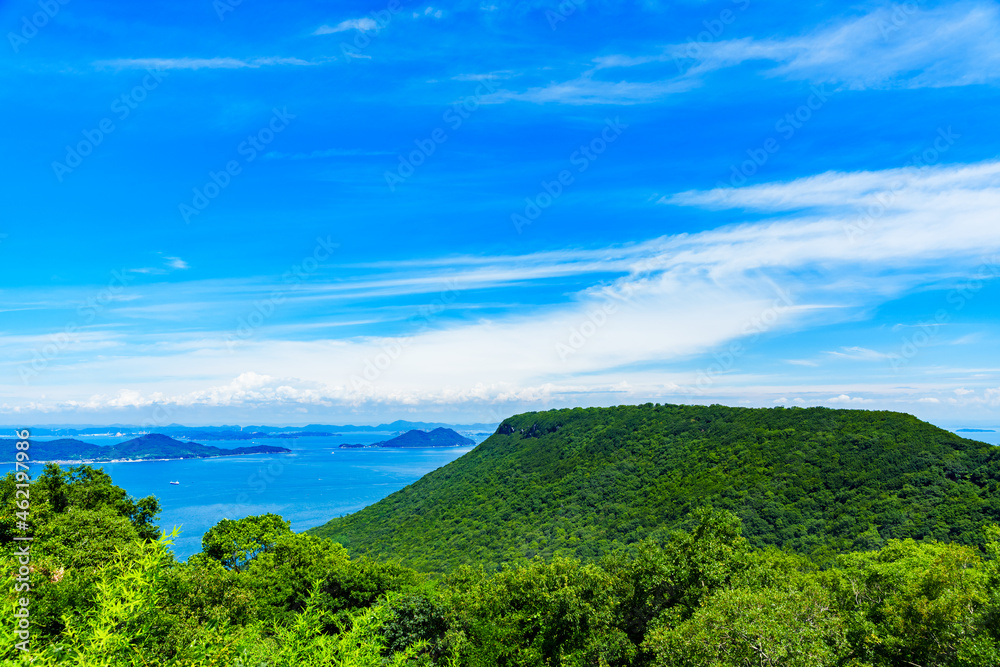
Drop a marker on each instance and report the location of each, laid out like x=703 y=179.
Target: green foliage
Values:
x=235 y=543
x=121 y=629
x=81 y=522
x=657 y=580
x=702 y=597
x=57 y=492
x=282 y=580
x=584 y=482
x=929 y=601
x=557 y=612
x=754 y=626
x=701 y=588
x=418 y=618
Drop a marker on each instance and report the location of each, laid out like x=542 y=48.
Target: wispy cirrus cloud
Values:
x=169 y=264
x=362 y=25
x=857 y=353
x=674 y=298
x=200 y=63
x=587 y=90
x=893 y=47
x=326 y=152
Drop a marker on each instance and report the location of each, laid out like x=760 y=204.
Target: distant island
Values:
x=250 y=435
x=153 y=446
x=439 y=437
x=974 y=430
x=253 y=432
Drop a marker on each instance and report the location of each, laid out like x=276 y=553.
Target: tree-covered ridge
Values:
x=439 y=437
x=583 y=481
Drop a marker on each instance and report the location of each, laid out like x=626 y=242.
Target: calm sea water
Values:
x=314 y=483
x=992 y=438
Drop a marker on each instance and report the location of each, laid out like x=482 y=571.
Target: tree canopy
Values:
x=583 y=482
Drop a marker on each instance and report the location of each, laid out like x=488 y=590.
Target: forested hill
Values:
x=439 y=437
x=581 y=481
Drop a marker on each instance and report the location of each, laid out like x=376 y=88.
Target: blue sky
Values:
x=359 y=211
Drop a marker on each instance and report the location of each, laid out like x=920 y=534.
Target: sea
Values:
x=313 y=483
x=992 y=437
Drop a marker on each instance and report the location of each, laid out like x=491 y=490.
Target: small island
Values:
x=439 y=437
x=251 y=435
x=150 y=447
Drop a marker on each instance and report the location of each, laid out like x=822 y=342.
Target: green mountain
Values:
x=439 y=437
x=583 y=481
x=150 y=446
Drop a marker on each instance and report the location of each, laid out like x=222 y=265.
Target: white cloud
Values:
x=889 y=48
x=674 y=298
x=954 y=45
x=587 y=90
x=198 y=63
x=844 y=398
x=992 y=397
x=169 y=264
x=892 y=47
x=859 y=354
x=429 y=11
x=933 y=213
x=363 y=25
x=489 y=76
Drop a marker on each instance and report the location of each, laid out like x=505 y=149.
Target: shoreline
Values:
x=177 y=458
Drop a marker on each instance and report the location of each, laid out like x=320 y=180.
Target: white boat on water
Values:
x=175 y=482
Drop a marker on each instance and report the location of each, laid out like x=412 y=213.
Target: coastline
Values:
x=175 y=458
